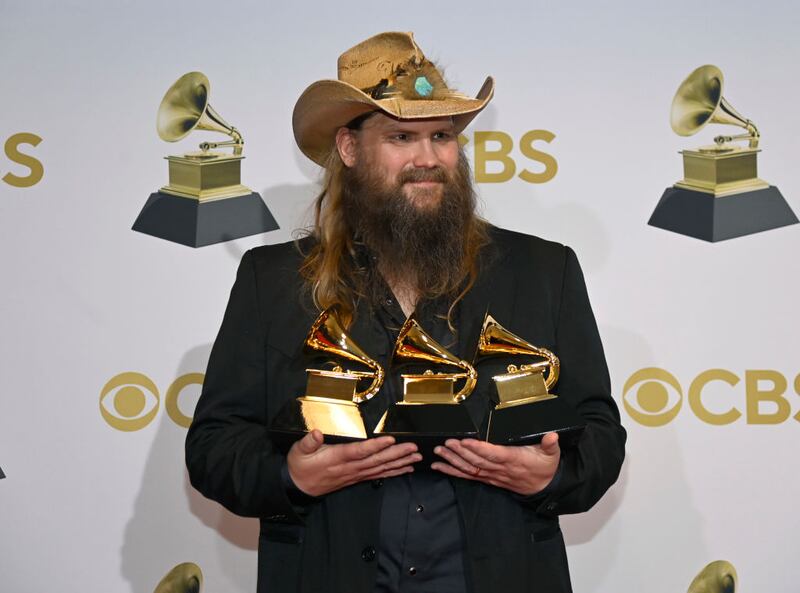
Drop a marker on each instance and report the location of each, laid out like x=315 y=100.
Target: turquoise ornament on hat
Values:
x=422 y=86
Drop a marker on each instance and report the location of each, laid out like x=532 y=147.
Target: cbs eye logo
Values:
x=130 y=401
x=651 y=404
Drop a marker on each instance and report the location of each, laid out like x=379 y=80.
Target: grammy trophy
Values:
x=430 y=412
x=330 y=403
x=525 y=410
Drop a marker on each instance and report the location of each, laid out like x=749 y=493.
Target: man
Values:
x=396 y=232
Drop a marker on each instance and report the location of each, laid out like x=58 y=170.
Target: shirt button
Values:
x=420 y=508
x=377 y=483
x=412 y=571
x=368 y=554
x=389 y=302
x=551 y=506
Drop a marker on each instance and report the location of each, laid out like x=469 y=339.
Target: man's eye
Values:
x=442 y=136
x=400 y=137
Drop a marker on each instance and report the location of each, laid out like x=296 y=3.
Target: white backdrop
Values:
x=89 y=507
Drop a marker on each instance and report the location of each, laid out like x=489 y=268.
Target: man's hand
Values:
x=318 y=469
x=525 y=470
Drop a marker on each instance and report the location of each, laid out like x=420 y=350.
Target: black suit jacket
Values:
x=535 y=288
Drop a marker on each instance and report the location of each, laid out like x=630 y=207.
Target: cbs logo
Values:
x=653 y=397
x=130 y=401
x=15 y=156
x=493 y=161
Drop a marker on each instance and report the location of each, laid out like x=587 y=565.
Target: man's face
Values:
x=407 y=195
x=415 y=157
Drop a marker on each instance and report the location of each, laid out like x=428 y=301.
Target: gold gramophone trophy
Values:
x=204 y=201
x=720 y=196
x=525 y=409
x=430 y=412
x=330 y=403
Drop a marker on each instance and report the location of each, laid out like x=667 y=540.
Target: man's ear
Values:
x=346 y=145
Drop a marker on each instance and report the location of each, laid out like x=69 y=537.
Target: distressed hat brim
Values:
x=327 y=105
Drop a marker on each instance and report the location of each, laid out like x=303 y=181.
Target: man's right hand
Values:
x=317 y=469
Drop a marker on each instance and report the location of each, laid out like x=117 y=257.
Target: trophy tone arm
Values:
x=237 y=143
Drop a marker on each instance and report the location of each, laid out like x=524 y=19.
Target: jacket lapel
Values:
x=493 y=292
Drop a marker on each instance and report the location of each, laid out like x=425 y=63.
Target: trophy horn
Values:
x=414 y=344
x=184 y=578
x=185 y=107
x=326 y=335
x=495 y=339
x=699 y=101
x=716 y=577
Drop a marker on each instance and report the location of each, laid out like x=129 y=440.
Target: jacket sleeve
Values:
x=589 y=469
x=228 y=453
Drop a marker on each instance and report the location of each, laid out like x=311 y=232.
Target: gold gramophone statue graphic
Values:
x=431 y=410
x=330 y=403
x=204 y=201
x=720 y=196
x=525 y=410
x=718 y=576
x=183 y=578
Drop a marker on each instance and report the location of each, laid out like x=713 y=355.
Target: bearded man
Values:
x=396 y=233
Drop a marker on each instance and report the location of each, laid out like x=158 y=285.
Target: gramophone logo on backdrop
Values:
x=204 y=202
x=720 y=196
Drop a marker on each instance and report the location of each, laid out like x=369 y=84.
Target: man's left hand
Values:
x=525 y=470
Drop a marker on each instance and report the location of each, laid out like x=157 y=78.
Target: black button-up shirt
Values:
x=421 y=545
x=420 y=548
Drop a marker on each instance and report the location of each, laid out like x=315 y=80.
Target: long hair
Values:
x=337 y=277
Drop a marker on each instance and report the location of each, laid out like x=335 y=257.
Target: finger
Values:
x=549 y=445
x=388 y=455
x=310 y=443
x=498 y=454
x=471 y=457
x=455 y=460
x=396 y=472
x=457 y=473
x=448 y=469
x=363 y=449
x=378 y=470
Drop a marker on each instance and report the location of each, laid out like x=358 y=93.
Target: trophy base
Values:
x=196 y=224
x=339 y=421
x=721 y=170
x=205 y=176
x=526 y=424
x=427 y=425
x=703 y=216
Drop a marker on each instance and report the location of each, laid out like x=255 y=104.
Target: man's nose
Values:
x=425 y=156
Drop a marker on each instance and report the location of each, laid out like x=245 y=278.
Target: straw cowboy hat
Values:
x=386 y=73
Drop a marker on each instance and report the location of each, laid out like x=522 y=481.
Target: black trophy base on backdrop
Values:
x=427 y=425
x=339 y=421
x=526 y=424
x=704 y=216
x=194 y=223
